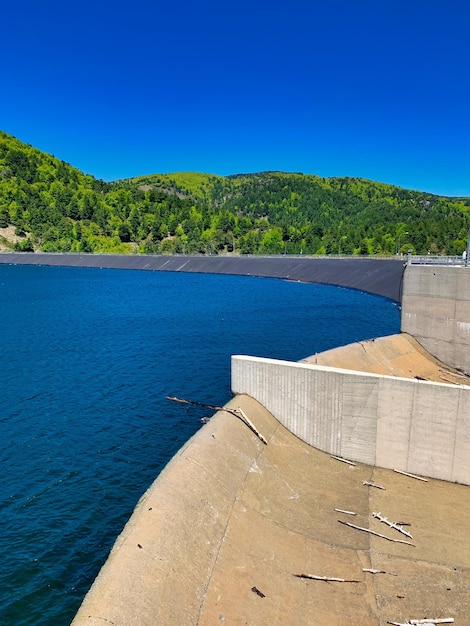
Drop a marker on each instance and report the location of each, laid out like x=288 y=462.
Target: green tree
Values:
x=272 y=242
x=124 y=232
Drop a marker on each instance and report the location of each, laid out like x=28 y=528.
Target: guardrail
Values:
x=425 y=259
x=431 y=259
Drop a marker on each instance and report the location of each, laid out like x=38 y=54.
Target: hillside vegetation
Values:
x=48 y=205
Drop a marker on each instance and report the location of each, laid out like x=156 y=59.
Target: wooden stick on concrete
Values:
x=394 y=525
x=437 y=620
x=250 y=424
x=425 y=480
x=369 y=484
x=377 y=571
x=339 y=458
x=346 y=512
x=372 y=532
x=412 y=622
x=236 y=412
x=327 y=579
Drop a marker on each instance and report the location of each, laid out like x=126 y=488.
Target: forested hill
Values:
x=48 y=205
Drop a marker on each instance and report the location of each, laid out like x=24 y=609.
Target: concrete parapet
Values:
x=436 y=311
x=396 y=423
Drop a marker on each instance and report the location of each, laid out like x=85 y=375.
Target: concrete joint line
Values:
x=237 y=498
x=454 y=443
x=410 y=422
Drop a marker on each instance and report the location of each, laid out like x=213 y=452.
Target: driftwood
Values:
x=394 y=525
x=448 y=380
x=332 y=579
x=201 y=404
x=326 y=579
x=425 y=480
x=368 y=484
x=372 y=532
x=456 y=374
x=412 y=622
x=346 y=512
x=339 y=458
x=444 y=620
x=250 y=424
x=377 y=571
x=241 y=415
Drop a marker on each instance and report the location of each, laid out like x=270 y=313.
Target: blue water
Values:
x=87 y=357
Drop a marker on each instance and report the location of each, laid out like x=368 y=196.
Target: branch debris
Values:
x=239 y=413
x=394 y=525
x=425 y=480
x=448 y=380
x=346 y=512
x=372 y=532
x=412 y=622
x=339 y=458
x=445 y=620
x=249 y=423
x=457 y=374
x=377 y=571
x=326 y=579
x=369 y=484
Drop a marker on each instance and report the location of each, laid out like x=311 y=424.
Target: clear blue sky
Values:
x=372 y=88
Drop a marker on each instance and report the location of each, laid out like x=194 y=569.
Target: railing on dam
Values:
x=435 y=259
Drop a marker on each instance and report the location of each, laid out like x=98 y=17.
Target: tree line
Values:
x=54 y=207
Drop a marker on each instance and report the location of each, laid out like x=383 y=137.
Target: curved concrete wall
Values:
x=230 y=517
x=396 y=423
x=372 y=275
x=162 y=564
x=436 y=311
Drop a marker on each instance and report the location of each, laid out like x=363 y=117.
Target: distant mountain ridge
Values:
x=48 y=205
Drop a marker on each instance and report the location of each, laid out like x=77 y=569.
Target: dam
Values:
x=285 y=507
x=370 y=274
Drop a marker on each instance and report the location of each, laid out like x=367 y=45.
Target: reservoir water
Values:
x=87 y=357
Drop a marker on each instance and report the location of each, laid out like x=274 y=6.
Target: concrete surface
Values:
x=230 y=515
x=392 y=421
x=436 y=311
x=372 y=275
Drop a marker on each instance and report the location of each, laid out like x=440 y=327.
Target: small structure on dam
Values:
x=349 y=507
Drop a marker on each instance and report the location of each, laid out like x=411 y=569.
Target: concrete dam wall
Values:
x=397 y=423
x=231 y=525
x=372 y=275
x=436 y=310
x=414 y=425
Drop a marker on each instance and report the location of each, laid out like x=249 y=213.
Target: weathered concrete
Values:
x=230 y=516
x=436 y=310
x=410 y=424
x=396 y=355
x=372 y=275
